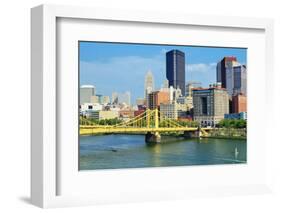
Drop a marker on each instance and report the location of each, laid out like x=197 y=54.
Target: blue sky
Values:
x=122 y=67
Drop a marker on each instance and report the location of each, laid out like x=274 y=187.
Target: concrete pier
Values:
x=153 y=137
x=192 y=134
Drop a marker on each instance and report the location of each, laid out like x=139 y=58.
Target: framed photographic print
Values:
x=149 y=106
x=161 y=121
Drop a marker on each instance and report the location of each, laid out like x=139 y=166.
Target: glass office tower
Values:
x=175 y=69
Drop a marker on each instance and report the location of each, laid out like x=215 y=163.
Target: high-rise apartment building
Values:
x=175 y=69
x=86 y=92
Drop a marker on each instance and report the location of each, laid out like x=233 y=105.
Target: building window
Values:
x=204 y=105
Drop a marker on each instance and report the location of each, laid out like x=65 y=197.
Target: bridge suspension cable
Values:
x=147 y=121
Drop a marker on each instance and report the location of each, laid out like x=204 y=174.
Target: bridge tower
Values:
x=148 y=118
x=153 y=137
x=156 y=118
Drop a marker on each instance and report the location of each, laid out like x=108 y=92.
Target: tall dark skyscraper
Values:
x=232 y=76
x=224 y=72
x=240 y=80
x=175 y=69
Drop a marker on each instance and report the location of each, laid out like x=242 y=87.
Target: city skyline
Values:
x=164 y=96
x=122 y=67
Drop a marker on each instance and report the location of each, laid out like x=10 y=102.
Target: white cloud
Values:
x=202 y=72
x=122 y=73
x=201 y=67
x=126 y=67
x=127 y=73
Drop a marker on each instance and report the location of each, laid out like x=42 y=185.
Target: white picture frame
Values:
x=45 y=168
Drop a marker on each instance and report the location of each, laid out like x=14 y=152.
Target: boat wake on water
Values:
x=232 y=160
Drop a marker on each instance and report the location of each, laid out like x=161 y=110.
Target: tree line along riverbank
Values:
x=223 y=133
x=228 y=133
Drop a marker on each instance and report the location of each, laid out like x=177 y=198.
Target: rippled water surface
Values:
x=131 y=151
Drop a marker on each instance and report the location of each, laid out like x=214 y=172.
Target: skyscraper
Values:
x=148 y=83
x=175 y=69
x=225 y=73
x=86 y=92
x=239 y=80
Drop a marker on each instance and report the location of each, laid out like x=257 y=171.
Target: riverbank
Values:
x=226 y=137
x=227 y=133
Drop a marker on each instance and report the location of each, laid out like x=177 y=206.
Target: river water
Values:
x=131 y=151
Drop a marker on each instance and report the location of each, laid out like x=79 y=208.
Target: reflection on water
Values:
x=130 y=151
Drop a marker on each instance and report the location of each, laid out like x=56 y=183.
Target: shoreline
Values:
x=172 y=136
x=226 y=137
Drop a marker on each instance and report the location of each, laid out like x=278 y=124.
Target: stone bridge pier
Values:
x=192 y=134
x=153 y=137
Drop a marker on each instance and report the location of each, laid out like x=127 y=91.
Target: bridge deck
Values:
x=108 y=129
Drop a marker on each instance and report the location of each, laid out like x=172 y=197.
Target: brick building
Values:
x=156 y=98
x=239 y=103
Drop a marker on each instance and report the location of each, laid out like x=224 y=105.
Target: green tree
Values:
x=232 y=123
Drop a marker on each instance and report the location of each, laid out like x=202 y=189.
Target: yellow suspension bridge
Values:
x=151 y=122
